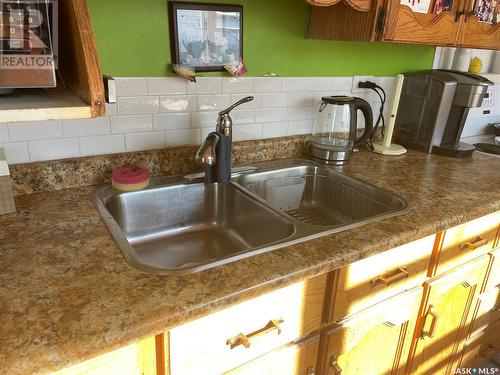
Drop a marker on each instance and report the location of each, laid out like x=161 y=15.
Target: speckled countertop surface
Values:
x=68 y=295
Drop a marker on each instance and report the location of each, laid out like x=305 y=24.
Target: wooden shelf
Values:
x=79 y=72
x=42 y=104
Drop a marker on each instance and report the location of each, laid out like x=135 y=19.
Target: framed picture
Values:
x=205 y=36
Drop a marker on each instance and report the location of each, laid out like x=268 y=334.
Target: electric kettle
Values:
x=335 y=127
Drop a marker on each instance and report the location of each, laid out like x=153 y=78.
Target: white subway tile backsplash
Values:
x=387 y=83
x=300 y=127
x=169 y=121
x=131 y=124
x=273 y=100
x=178 y=103
x=166 y=86
x=268 y=115
x=4 y=133
x=184 y=137
x=246 y=132
x=23 y=131
x=204 y=119
x=268 y=84
x=275 y=129
x=138 y=105
x=298 y=113
x=243 y=116
x=101 y=145
x=237 y=85
x=158 y=112
x=342 y=84
x=320 y=84
x=213 y=102
x=16 y=152
x=300 y=99
x=205 y=85
x=86 y=127
x=131 y=86
x=111 y=109
x=144 y=141
x=295 y=84
x=50 y=149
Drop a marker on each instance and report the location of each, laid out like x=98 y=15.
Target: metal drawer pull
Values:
x=242 y=339
x=392 y=277
x=311 y=371
x=432 y=329
x=478 y=242
x=337 y=370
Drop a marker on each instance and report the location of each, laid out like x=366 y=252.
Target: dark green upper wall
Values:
x=133 y=40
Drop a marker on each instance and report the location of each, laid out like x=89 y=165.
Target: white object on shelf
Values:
x=386 y=147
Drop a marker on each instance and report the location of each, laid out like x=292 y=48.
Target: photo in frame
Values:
x=205 y=36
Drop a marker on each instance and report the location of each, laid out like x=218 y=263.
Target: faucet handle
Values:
x=239 y=102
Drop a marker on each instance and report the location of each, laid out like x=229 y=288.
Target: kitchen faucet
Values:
x=215 y=152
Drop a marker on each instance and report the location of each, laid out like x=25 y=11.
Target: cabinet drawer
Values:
x=369 y=281
x=293 y=359
x=229 y=338
x=465 y=242
x=487 y=310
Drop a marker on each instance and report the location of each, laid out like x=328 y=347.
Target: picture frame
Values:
x=205 y=36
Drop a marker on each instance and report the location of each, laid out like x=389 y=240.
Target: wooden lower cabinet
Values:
x=374 y=341
x=445 y=317
x=293 y=359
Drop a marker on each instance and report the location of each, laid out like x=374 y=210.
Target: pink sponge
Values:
x=130 y=178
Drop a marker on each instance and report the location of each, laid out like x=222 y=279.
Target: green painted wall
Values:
x=133 y=40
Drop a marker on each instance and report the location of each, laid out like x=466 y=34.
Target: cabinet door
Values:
x=374 y=341
x=402 y=24
x=445 y=317
x=478 y=34
x=293 y=359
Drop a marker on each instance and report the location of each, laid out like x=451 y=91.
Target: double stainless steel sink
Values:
x=181 y=225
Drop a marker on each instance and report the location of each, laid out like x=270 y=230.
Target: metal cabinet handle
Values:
x=242 y=339
x=432 y=329
x=311 y=371
x=337 y=370
x=392 y=277
x=478 y=242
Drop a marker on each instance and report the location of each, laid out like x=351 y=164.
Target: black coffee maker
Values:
x=433 y=108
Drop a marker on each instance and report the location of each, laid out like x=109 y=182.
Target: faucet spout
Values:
x=206 y=154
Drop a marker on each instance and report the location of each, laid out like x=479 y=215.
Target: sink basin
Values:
x=322 y=196
x=181 y=225
x=188 y=226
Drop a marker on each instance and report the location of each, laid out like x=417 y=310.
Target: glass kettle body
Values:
x=335 y=128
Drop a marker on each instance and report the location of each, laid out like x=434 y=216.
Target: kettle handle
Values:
x=366 y=109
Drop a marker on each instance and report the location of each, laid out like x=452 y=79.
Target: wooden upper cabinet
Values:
x=478 y=34
x=394 y=21
x=361 y=5
x=404 y=25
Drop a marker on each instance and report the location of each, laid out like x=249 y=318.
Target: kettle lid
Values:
x=342 y=99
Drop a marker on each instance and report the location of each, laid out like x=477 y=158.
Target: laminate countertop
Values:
x=68 y=295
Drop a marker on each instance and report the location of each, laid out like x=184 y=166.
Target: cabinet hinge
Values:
x=381 y=19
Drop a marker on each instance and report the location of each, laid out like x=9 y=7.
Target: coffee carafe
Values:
x=335 y=127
